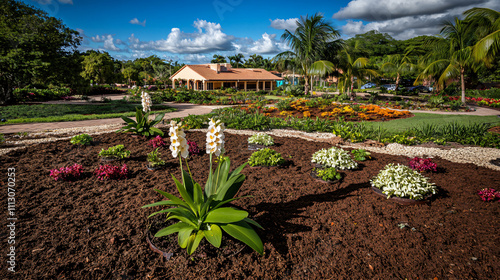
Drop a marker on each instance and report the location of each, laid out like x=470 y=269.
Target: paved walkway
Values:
x=183 y=110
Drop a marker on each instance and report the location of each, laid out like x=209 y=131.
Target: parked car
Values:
x=389 y=86
x=418 y=89
x=368 y=85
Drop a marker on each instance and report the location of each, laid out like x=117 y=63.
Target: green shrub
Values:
x=117 y=151
x=142 y=124
x=327 y=174
x=261 y=139
x=154 y=159
x=361 y=154
x=266 y=157
x=82 y=139
x=2 y=139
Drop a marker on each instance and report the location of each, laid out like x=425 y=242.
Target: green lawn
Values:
x=425 y=118
x=70 y=112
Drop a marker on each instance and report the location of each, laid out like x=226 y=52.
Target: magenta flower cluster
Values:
x=157 y=142
x=422 y=164
x=67 y=173
x=488 y=194
x=111 y=172
x=193 y=148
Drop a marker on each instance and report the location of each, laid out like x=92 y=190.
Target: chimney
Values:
x=218 y=68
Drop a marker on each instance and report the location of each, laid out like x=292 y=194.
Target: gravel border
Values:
x=475 y=155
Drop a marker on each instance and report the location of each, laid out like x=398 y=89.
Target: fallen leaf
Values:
x=371 y=267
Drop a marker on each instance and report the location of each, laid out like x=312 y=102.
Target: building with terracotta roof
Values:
x=216 y=75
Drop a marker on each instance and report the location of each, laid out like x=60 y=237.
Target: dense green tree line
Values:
x=38 y=50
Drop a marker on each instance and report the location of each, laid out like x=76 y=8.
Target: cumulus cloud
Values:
x=196 y=59
x=109 y=42
x=265 y=45
x=208 y=38
x=136 y=21
x=370 y=10
x=406 y=21
x=281 y=24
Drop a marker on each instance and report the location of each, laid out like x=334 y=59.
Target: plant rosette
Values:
x=265 y=158
x=114 y=153
x=403 y=184
x=334 y=157
x=326 y=175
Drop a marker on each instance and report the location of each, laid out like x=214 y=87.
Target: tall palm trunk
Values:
x=306 y=85
x=352 y=94
x=462 y=81
x=397 y=82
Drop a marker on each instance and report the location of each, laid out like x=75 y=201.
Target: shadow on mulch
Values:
x=279 y=214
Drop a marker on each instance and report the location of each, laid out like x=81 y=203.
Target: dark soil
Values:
x=91 y=229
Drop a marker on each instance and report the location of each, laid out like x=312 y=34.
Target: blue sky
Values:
x=192 y=31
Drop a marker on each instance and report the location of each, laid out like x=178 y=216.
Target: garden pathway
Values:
x=183 y=110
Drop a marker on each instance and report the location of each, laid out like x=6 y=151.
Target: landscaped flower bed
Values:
x=325 y=109
x=93 y=229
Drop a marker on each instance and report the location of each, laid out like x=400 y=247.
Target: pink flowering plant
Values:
x=488 y=194
x=157 y=142
x=193 y=148
x=107 y=171
x=67 y=173
x=422 y=165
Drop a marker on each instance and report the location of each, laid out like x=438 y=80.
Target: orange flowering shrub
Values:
x=307 y=114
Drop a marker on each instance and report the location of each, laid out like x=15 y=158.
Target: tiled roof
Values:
x=232 y=74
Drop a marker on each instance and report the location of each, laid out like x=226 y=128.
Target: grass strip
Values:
x=420 y=119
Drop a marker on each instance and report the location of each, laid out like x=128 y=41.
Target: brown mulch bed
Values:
x=91 y=229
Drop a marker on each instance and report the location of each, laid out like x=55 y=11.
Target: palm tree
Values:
x=310 y=42
x=352 y=68
x=238 y=59
x=486 y=23
x=218 y=59
x=399 y=64
x=451 y=61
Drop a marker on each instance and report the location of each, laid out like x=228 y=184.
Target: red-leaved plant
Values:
x=157 y=142
x=422 y=164
x=111 y=172
x=67 y=173
x=193 y=148
x=488 y=194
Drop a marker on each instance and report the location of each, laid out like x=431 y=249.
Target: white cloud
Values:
x=109 y=42
x=136 y=21
x=281 y=24
x=403 y=27
x=66 y=1
x=392 y=9
x=208 y=38
x=196 y=59
x=265 y=45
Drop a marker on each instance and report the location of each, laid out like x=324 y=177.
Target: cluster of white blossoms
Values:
x=178 y=143
x=401 y=181
x=334 y=157
x=215 y=137
x=146 y=102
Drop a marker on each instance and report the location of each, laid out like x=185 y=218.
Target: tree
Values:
x=218 y=59
x=399 y=64
x=453 y=54
x=486 y=24
x=373 y=43
x=130 y=73
x=33 y=48
x=309 y=43
x=161 y=73
x=352 y=68
x=98 y=67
